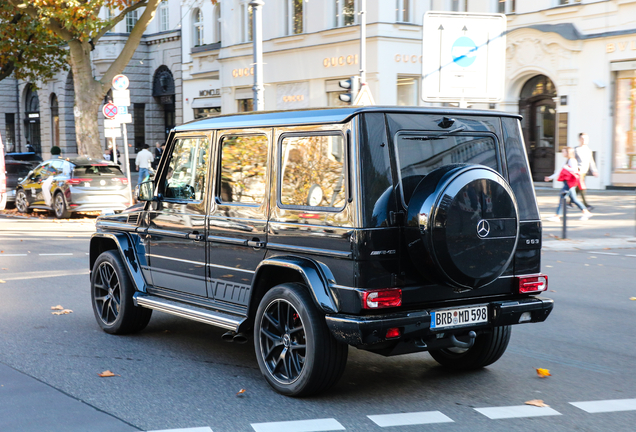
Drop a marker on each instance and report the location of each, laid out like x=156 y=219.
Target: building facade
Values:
x=570 y=68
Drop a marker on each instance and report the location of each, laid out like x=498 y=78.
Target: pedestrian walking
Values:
x=142 y=162
x=158 y=152
x=569 y=175
x=585 y=160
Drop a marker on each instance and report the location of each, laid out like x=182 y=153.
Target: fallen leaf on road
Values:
x=552 y=291
x=58 y=307
x=240 y=392
x=1 y=281
x=69 y=236
x=632 y=298
x=62 y=312
x=107 y=374
x=543 y=373
x=537 y=403
x=4 y=268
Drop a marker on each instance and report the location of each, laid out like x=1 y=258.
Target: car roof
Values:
x=319 y=116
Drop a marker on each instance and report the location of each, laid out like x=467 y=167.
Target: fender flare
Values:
x=316 y=276
x=126 y=251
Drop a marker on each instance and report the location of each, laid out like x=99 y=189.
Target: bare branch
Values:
x=117 y=20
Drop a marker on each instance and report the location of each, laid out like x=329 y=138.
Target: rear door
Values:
x=177 y=220
x=237 y=226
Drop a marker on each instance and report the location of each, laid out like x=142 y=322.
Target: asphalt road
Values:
x=180 y=374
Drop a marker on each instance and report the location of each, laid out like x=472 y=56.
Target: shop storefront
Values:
x=624 y=151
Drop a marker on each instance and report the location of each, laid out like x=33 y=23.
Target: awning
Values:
x=206 y=102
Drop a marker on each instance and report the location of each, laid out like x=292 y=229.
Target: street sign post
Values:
x=121 y=98
x=120 y=82
x=463 y=57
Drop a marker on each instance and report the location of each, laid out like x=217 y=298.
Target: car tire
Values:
x=59 y=206
x=487 y=349
x=295 y=350
x=112 y=297
x=22 y=202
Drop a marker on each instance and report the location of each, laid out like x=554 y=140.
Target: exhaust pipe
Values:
x=228 y=336
x=240 y=338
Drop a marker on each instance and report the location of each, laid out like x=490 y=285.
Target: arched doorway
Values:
x=32 y=120
x=538 y=107
x=163 y=90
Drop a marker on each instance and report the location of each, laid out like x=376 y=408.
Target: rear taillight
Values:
x=532 y=284
x=123 y=180
x=383 y=298
x=75 y=181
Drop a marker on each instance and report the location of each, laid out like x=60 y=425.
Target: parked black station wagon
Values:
x=394 y=230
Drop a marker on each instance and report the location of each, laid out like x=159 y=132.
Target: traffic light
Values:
x=353 y=85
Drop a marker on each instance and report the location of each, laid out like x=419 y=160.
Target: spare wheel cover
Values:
x=463 y=220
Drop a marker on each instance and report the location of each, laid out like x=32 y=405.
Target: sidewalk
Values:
x=613 y=225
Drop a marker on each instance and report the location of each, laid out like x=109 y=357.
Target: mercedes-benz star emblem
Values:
x=483 y=228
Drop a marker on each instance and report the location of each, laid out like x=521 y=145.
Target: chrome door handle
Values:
x=196 y=236
x=256 y=244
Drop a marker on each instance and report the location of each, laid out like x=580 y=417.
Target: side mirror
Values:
x=145 y=191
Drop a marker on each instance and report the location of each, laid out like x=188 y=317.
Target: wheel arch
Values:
x=282 y=269
x=120 y=242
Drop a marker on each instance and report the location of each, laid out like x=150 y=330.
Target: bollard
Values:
x=565 y=213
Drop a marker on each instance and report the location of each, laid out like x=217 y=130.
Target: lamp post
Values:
x=257 y=28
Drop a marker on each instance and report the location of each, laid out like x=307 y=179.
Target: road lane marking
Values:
x=196 y=429
x=47 y=274
x=603 y=406
x=7 y=255
x=55 y=254
x=604 y=253
x=317 y=425
x=407 y=419
x=518 y=411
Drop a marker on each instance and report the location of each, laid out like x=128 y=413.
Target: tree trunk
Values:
x=89 y=94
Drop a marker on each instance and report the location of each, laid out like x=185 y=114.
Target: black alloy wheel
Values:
x=283 y=341
x=22 y=202
x=487 y=349
x=295 y=350
x=112 y=297
x=59 y=207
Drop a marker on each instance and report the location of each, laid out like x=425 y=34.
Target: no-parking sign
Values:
x=110 y=110
x=120 y=82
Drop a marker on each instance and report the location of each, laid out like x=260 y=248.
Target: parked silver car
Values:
x=73 y=185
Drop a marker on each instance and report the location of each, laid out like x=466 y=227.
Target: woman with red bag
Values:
x=569 y=175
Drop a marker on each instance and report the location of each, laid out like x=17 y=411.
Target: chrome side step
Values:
x=219 y=319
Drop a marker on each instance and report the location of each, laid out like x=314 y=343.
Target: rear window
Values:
x=419 y=153
x=97 y=170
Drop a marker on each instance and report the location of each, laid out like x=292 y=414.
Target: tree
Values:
x=27 y=49
x=76 y=23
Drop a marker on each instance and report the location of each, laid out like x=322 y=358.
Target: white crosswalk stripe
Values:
x=317 y=425
x=518 y=411
x=603 y=406
x=196 y=429
x=407 y=419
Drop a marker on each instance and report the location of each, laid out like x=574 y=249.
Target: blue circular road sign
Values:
x=464 y=51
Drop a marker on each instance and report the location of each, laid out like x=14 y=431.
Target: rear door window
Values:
x=419 y=153
x=243 y=169
x=313 y=172
x=97 y=170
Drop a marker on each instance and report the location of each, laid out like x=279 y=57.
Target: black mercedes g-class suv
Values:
x=390 y=229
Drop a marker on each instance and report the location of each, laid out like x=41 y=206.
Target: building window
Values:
x=9 y=124
x=346 y=12
x=55 y=121
x=197 y=36
x=625 y=127
x=164 y=21
x=567 y=2
x=139 y=119
x=246 y=23
x=217 y=23
x=131 y=20
x=245 y=105
x=109 y=14
x=407 y=92
x=403 y=11
x=294 y=16
x=506 y=6
x=200 y=113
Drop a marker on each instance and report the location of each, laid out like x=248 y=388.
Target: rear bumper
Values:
x=367 y=331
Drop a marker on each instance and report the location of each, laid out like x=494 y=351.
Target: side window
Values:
x=57 y=165
x=243 y=169
x=42 y=172
x=187 y=170
x=313 y=171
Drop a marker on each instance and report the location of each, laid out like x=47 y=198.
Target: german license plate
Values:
x=446 y=318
